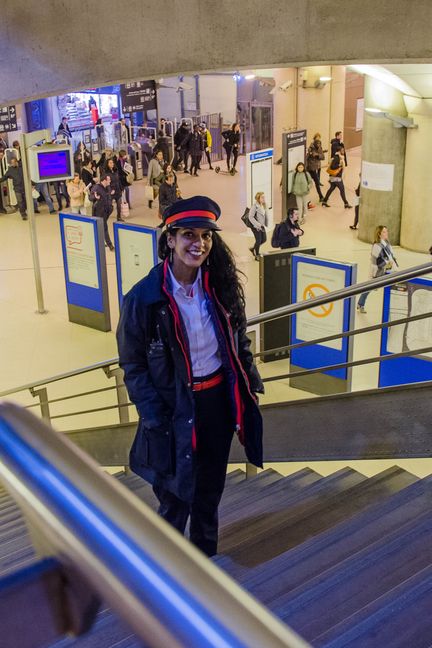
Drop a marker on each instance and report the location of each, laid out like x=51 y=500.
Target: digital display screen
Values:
x=54 y=164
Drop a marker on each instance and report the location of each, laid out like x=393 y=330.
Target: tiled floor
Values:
x=34 y=346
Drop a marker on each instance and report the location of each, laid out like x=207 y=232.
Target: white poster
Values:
x=259 y=177
x=407 y=300
x=262 y=179
x=136 y=256
x=81 y=252
x=359 y=114
x=378 y=177
x=314 y=280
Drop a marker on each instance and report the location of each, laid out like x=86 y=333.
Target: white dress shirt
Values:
x=203 y=344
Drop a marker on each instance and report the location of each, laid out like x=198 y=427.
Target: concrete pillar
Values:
x=416 y=222
x=284 y=106
x=383 y=144
x=315 y=109
x=337 y=100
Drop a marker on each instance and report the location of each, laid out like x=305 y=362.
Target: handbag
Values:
x=245 y=217
x=124 y=209
x=130 y=178
x=35 y=193
x=149 y=192
x=333 y=172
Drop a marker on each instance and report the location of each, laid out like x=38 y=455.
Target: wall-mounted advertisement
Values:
x=81 y=257
x=312 y=277
x=136 y=254
x=85 y=270
x=378 y=177
x=407 y=299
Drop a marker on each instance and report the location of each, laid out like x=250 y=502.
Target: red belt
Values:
x=207 y=384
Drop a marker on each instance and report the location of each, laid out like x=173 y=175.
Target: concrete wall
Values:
x=218 y=94
x=54 y=47
x=354 y=90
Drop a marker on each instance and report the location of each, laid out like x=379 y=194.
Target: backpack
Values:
x=275 y=239
x=245 y=218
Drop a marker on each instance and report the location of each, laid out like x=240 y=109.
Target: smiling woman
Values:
x=189 y=370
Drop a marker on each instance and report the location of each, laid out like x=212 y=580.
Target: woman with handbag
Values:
x=382 y=261
x=335 y=171
x=126 y=178
x=301 y=185
x=76 y=190
x=155 y=177
x=258 y=218
x=315 y=155
x=231 y=145
x=116 y=190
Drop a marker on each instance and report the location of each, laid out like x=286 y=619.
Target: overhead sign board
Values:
x=8 y=119
x=138 y=95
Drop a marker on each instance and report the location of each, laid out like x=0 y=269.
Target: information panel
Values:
x=312 y=277
x=259 y=177
x=8 y=119
x=136 y=254
x=293 y=152
x=406 y=299
x=85 y=270
x=138 y=95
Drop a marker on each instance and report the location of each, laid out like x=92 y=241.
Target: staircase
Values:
x=344 y=560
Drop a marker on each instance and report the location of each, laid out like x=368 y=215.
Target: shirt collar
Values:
x=178 y=288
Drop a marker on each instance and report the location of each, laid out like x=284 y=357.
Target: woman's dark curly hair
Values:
x=224 y=276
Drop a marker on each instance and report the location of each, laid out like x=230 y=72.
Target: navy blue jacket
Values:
x=154 y=356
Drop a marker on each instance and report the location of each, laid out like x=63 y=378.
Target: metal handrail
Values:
x=159 y=583
x=344 y=334
x=291 y=309
x=343 y=293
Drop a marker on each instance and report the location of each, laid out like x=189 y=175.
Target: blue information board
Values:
x=136 y=254
x=405 y=299
x=312 y=277
x=85 y=270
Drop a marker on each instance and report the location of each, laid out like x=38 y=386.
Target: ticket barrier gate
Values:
x=8 y=199
x=136 y=159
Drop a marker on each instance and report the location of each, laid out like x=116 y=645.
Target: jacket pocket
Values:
x=154 y=448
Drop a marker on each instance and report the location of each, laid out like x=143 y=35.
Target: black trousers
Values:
x=260 y=238
x=214 y=430
x=356 y=215
x=61 y=192
x=208 y=156
x=21 y=202
x=333 y=186
x=315 y=177
x=234 y=151
x=195 y=160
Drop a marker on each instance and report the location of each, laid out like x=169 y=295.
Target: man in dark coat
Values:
x=336 y=144
x=15 y=173
x=180 y=144
x=101 y=197
x=195 y=147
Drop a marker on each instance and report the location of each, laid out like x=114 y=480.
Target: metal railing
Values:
x=111 y=369
x=159 y=583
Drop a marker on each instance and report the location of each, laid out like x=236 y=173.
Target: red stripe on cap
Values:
x=191 y=213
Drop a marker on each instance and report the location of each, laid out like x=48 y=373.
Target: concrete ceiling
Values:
x=417 y=75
